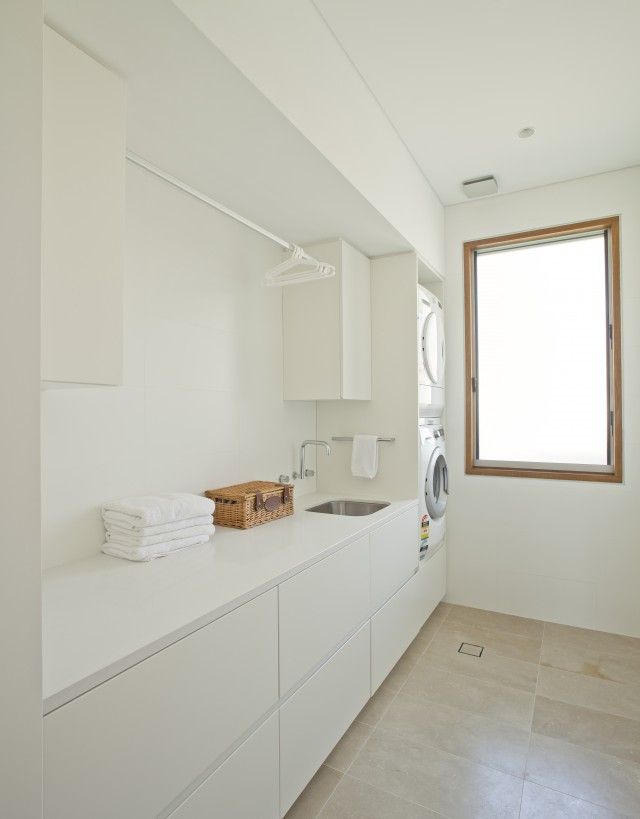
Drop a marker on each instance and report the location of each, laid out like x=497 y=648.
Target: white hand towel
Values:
x=364 y=456
x=145 y=553
x=115 y=520
x=165 y=507
x=123 y=537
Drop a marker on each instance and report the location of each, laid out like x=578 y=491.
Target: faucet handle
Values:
x=309 y=473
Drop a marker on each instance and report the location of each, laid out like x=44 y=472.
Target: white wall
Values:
x=201 y=405
x=303 y=70
x=20 y=588
x=393 y=409
x=558 y=550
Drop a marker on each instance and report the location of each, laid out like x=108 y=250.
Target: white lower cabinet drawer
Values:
x=432 y=581
x=319 y=608
x=130 y=746
x=318 y=714
x=245 y=786
x=395 y=625
x=394 y=556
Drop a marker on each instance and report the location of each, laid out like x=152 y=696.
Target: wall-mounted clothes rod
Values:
x=298 y=268
x=384 y=438
x=177 y=183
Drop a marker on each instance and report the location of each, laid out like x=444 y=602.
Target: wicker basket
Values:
x=250 y=504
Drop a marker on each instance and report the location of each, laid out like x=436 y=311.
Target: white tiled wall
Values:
x=201 y=404
x=566 y=551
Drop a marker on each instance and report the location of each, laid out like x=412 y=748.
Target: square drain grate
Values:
x=471 y=649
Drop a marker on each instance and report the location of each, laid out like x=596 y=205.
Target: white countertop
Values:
x=102 y=615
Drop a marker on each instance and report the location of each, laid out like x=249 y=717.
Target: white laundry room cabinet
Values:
x=327 y=329
x=83 y=206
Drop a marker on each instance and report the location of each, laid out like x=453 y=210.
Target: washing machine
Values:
x=431 y=355
x=434 y=487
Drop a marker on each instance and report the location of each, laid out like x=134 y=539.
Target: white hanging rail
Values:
x=177 y=183
x=287 y=272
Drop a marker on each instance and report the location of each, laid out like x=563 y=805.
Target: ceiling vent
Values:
x=482 y=186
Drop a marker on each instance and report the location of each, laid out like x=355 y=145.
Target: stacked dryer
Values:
x=434 y=474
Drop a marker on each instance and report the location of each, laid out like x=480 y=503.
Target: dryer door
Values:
x=436 y=485
x=429 y=344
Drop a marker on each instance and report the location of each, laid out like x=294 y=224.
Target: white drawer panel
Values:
x=395 y=625
x=394 y=556
x=319 y=608
x=432 y=580
x=245 y=786
x=131 y=745
x=318 y=714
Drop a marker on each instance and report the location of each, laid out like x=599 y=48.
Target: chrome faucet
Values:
x=309 y=473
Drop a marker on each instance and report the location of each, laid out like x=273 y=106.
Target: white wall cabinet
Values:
x=327 y=329
x=131 y=745
x=318 y=714
x=83 y=190
x=245 y=786
x=339 y=588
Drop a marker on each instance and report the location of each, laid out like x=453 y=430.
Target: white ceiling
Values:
x=459 y=79
x=192 y=113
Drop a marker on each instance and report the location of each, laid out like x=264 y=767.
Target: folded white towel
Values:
x=364 y=456
x=124 y=537
x=115 y=520
x=165 y=507
x=144 y=553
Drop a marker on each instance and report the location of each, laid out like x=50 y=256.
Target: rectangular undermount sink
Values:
x=348 y=507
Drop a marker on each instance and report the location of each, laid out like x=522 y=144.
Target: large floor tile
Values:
x=622 y=699
x=374 y=710
x=477 y=696
x=353 y=799
x=495 y=621
x=487 y=741
x=543 y=803
x=503 y=643
x=592 y=653
x=604 y=780
x=602 y=732
x=347 y=749
x=314 y=797
x=447 y=784
x=490 y=667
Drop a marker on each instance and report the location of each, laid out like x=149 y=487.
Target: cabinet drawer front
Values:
x=133 y=744
x=225 y=792
x=319 y=608
x=395 y=625
x=394 y=556
x=319 y=713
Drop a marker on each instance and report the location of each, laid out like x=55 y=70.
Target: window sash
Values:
x=612 y=471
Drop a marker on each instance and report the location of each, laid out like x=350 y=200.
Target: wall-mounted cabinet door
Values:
x=327 y=329
x=83 y=187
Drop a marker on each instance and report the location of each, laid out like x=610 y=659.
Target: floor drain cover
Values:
x=471 y=649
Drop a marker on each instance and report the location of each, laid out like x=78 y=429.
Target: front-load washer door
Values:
x=436 y=485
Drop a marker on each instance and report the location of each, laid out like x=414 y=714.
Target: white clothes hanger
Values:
x=298 y=268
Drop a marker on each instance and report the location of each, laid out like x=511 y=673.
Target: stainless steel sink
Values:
x=348 y=507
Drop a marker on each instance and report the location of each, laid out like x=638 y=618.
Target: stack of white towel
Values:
x=141 y=528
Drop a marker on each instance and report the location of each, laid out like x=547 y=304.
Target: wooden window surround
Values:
x=610 y=472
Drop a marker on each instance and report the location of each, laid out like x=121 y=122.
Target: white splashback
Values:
x=201 y=403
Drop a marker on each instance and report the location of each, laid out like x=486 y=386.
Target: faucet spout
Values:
x=309 y=473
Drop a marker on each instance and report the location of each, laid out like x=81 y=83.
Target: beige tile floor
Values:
x=544 y=725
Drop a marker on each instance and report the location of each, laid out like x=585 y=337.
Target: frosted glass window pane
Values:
x=542 y=336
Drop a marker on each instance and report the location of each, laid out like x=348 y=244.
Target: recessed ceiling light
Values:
x=525 y=133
